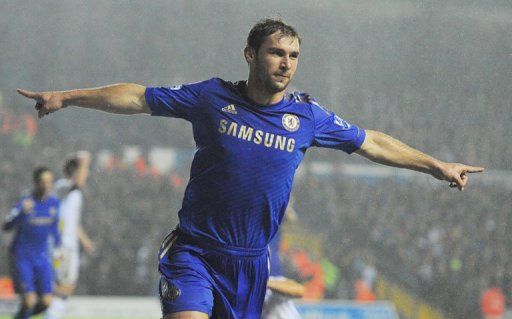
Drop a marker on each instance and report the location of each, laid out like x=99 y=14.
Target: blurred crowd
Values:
x=445 y=246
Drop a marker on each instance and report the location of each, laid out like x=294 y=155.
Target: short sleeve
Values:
x=331 y=131
x=175 y=101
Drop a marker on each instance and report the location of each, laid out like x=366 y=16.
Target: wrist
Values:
x=66 y=97
x=437 y=169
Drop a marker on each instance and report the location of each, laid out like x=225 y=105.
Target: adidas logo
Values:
x=229 y=109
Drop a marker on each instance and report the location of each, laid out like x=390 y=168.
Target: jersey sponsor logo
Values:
x=291 y=122
x=53 y=211
x=229 y=109
x=41 y=221
x=258 y=137
x=341 y=122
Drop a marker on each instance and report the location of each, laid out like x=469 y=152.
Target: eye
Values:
x=279 y=53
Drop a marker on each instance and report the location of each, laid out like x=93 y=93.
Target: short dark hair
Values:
x=70 y=166
x=266 y=27
x=38 y=172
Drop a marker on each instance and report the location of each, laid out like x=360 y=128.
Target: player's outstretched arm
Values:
x=124 y=98
x=381 y=148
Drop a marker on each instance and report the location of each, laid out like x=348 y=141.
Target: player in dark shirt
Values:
x=35 y=219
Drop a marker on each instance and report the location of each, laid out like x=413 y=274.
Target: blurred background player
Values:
x=34 y=218
x=281 y=290
x=69 y=190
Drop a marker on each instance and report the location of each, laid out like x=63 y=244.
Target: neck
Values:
x=257 y=93
x=39 y=195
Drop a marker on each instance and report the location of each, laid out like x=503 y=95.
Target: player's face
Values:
x=45 y=184
x=276 y=61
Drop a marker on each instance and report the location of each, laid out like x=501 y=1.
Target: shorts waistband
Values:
x=219 y=248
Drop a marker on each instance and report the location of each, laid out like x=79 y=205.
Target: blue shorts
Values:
x=227 y=283
x=32 y=274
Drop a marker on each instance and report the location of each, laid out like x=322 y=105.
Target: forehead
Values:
x=278 y=40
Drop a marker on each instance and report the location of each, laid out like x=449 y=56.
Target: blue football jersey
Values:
x=34 y=227
x=275 y=260
x=246 y=156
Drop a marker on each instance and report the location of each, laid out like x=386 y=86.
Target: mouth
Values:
x=281 y=76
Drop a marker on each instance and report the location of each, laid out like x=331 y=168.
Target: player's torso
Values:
x=243 y=134
x=70 y=216
x=244 y=165
x=36 y=224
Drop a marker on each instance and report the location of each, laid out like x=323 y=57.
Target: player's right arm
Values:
x=15 y=215
x=123 y=98
x=11 y=219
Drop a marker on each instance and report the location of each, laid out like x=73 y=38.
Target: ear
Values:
x=249 y=54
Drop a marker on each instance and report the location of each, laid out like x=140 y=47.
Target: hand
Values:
x=89 y=247
x=46 y=102
x=456 y=174
x=27 y=205
x=84 y=156
x=58 y=254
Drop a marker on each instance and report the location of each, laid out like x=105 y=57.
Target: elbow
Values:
x=370 y=145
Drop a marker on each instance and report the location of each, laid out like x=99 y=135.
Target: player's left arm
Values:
x=384 y=149
x=285 y=286
x=16 y=214
x=82 y=173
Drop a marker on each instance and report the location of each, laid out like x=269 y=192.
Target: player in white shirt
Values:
x=279 y=298
x=69 y=190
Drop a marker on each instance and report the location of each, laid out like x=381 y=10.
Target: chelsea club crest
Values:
x=291 y=122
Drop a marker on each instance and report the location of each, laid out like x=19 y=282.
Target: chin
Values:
x=278 y=87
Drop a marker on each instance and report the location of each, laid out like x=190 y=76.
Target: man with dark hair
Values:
x=70 y=166
x=35 y=218
x=69 y=191
x=250 y=136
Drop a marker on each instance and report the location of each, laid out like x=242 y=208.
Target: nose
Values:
x=286 y=63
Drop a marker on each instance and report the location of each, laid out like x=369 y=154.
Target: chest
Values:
x=42 y=215
x=234 y=129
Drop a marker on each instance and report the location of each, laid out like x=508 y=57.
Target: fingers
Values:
x=460 y=179
x=41 y=113
x=459 y=182
x=473 y=169
x=39 y=104
x=29 y=94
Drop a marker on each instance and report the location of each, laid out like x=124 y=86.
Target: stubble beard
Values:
x=268 y=84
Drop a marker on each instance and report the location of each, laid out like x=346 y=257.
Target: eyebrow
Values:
x=279 y=49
